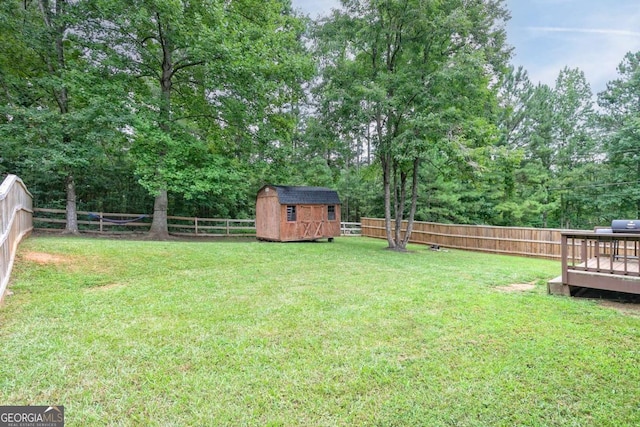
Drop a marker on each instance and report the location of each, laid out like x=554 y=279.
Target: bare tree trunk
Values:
x=401 y=194
x=397 y=219
x=638 y=201
x=386 y=172
x=72 y=212
x=159 y=228
x=414 y=203
x=368 y=145
x=56 y=65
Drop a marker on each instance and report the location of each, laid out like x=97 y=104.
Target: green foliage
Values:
x=360 y=190
x=209 y=100
x=215 y=80
x=621 y=122
x=413 y=78
x=61 y=116
x=553 y=131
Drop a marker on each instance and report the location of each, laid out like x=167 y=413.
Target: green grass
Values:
x=248 y=333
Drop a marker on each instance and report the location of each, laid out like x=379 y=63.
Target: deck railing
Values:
x=601 y=260
x=15 y=223
x=609 y=253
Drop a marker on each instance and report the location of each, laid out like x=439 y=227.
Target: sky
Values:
x=548 y=35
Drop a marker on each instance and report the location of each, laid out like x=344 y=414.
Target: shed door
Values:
x=312 y=221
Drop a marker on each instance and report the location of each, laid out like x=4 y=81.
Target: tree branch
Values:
x=177 y=68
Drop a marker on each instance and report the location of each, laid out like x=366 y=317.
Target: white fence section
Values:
x=16 y=222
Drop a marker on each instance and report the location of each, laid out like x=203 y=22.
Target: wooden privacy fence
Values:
x=15 y=223
x=532 y=242
x=105 y=223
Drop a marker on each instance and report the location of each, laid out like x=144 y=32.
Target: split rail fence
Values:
x=106 y=223
x=15 y=223
x=122 y=223
x=522 y=241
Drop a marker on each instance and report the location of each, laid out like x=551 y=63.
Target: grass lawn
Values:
x=309 y=334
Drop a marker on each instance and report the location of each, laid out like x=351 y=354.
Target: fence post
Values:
x=195 y=221
x=100 y=219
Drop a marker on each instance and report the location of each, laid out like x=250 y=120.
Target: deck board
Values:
x=606 y=264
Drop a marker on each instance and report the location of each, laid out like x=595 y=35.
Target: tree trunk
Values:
x=72 y=212
x=414 y=203
x=637 y=200
x=400 y=192
x=397 y=216
x=159 y=227
x=54 y=21
x=386 y=172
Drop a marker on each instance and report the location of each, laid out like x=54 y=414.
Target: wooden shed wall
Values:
x=311 y=223
x=268 y=213
x=332 y=228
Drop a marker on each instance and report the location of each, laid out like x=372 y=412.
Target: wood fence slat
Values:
x=15 y=223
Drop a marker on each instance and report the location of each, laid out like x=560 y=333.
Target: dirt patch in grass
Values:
x=43 y=258
x=630 y=308
x=106 y=287
x=516 y=287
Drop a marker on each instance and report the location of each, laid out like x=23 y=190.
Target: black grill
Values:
x=625 y=226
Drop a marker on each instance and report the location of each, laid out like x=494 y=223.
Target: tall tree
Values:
x=551 y=131
x=418 y=76
x=620 y=103
x=212 y=74
x=575 y=119
x=43 y=76
x=574 y=144
x=514 y=96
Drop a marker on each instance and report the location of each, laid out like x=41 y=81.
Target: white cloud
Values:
x=610 y=32
x=595 y=51
x=548 y=35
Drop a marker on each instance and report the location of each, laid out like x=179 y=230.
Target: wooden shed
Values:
x=286 y=214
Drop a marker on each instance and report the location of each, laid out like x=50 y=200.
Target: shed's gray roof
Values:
x=306 y=195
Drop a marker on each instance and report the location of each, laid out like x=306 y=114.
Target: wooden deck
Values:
x=606 y=262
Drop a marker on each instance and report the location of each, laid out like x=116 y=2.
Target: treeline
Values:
x=190 y=107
